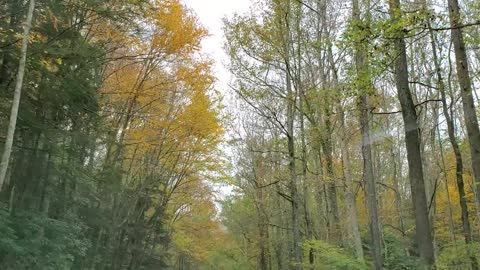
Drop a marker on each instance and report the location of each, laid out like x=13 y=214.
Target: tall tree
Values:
x=291 y=96
x=467 y=230
x=365 y=88
x=7 y=150
x=468 y=102
x=423 y=237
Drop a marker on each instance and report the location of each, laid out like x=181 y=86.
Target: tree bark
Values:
x=355 y=240
x=368 y=172
x=423 y=237
x=259 y=176
x=467 y=231
x=463 y=74
x=331 y=192
x=370 y=183
x=334 y=216
x=398 y=196
x=293 y=174
x=18 y=93
x=291 y=104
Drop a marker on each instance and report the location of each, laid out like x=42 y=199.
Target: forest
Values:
x=347 y=136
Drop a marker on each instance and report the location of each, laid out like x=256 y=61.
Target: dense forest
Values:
x=347 y=138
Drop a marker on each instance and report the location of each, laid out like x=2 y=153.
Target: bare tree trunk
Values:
x=328 y=148
x=354 y=238
x=467 y=231
x=301 y=105
x=465 y=82
x=321 y=198
x=306 y=207
x=291 y=104
x=368 y=172
x=447 y=193
x=262 y=230
x=18 y=93
x=352 y=215
x=423 y=237
x=262 y=218
x=398 y=197
x=331 y=192
x=370 y=183
x=293 y=175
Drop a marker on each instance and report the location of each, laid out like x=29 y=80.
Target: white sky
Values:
x=210 y=14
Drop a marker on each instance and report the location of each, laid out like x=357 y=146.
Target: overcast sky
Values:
x=210 y=14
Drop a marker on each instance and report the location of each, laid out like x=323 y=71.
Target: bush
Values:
x=458 y=256
x=395 y=255
x=329 y=257
x=30 y=241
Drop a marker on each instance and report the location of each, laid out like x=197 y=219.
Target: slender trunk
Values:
x=331 y=189
x=355 y=239
x=278 y=217
x=398 y=197
x=447 y=193
x=467 y=231
x=263 y=244
x=301 y=105
x=262 y=218
x=463 y=74
x=423 y=237
x=291 y=100
x=320 y=198
x=368 y=172
x=328 y=148
x=369 y=179
x=306 y=208
x=293 y=175
x=18 y=93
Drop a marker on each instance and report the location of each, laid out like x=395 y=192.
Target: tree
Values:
x=456 y=149
x=18 y=93
x=365 y=88
x=423 y=236
x=463 y=74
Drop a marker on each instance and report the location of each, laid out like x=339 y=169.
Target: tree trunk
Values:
x=467 y=231
x=368 y=172
x=398 y=196
x=16 y=98
x=328 y=148
x=291 y=100
x=355 y=240
x=301 y=106
x=331 y=192
x=370 y=183
x=293 y=174
x=465 y=83
x=423 y=237
x=259 y=175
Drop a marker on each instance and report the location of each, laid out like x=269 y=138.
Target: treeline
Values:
x=116 y=136
x=357 y=142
